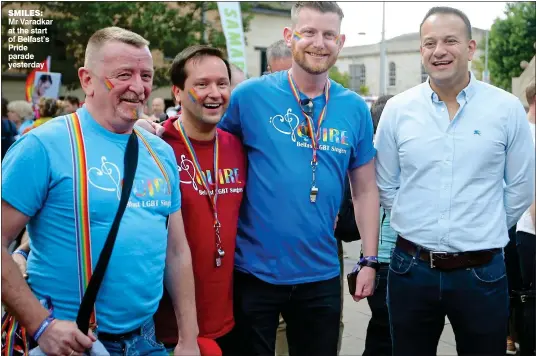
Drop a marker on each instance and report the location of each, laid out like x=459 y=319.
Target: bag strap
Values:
x=87 y=312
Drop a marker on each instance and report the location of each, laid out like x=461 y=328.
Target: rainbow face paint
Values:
x=297 y=36
x=193 y=95
x=338 y=39
x=108 y=84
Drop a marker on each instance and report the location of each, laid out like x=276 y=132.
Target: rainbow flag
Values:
x=31 y=78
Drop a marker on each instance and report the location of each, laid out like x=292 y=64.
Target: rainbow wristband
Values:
x=370 y=258
x=44 y=325
x=20 y=252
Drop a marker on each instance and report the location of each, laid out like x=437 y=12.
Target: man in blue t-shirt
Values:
x=286 y=257
x=37 y=190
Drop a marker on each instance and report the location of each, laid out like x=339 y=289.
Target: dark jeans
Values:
x=378 y=341
x=474 y=299
x=311 y=310
x=526 y=244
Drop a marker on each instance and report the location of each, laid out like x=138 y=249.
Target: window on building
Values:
x=358 y=76
x=424 y=75
x=264 y=61
x=392 y=74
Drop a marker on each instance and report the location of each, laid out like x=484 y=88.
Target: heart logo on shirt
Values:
x=107 y=177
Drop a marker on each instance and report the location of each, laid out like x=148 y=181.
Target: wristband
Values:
x=44 y=325
x=21 y=252
x=370 y=258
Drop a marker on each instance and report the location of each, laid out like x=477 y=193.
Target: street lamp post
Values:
x=382 y=54
x=485 y=75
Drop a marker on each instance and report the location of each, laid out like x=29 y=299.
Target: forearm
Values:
x=17 y=296
x=179 y=281
x=367 y=216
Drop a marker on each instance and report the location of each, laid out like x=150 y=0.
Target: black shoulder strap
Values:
x=86 y=307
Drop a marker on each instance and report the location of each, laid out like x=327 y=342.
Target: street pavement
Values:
x=357 y=315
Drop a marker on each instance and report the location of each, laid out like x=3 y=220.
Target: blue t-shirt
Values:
x=37 y=181
x=283 y=238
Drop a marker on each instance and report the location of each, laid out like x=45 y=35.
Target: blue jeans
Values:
x=144 y=344
x=474 y=299
x=311 y=310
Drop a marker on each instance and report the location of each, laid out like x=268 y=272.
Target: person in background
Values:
x=237 y=76
x=48 y=108
x=455 y=167
x=71 y=104
x=378 y=339
x=157 y=108
x=9 y=130
x=526 y=246
x=278 y=57
x=20 y=112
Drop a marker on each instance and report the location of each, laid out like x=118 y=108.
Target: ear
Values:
x=287 y=35
x=176 y=93
x=86 y=81
x=472 y=49
x=341 y=40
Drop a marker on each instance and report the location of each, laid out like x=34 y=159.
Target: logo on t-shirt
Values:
x=331 y=139
x=225 y=176
x=108 y=178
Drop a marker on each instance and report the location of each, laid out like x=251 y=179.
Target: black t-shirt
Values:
x=9 y=133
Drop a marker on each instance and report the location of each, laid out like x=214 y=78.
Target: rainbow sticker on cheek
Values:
x=108 y=84
x=297 y=36
x=193 y=95
x=338 y=39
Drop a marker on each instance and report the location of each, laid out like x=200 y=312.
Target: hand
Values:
x=21 y=263
x=152 y=127
x=365 y=283
x=64 y=338
x=187 y=349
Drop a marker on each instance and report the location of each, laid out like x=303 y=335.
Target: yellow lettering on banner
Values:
x=232 y=25
x=234 y=39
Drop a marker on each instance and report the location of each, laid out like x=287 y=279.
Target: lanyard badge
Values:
x=315 y=135
x=212 y=198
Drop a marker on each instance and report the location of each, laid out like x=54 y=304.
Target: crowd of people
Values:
x=216 y=227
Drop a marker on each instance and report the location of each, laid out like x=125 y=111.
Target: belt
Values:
x=447 y=260
x=118 y=337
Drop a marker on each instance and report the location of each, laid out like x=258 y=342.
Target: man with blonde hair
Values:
x=100 y=142
x=21 y=113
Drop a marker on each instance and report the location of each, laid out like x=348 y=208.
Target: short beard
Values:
x=299 y=58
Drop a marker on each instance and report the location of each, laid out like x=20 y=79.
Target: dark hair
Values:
x=4 y=107
x=45 y=78
x=445 y=10
x=178 y=67
x=73 y=100
x=321 y=6
x=377 y=108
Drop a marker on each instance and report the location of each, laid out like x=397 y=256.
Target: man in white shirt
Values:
x=444 y=149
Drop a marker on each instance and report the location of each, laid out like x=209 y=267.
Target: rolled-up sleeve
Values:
x=519 y=166
x=387 y=160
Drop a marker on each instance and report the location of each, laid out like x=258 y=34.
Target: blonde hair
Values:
x=21 y=108
x=108 y=34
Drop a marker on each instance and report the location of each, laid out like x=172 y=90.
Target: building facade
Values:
x=403 y=67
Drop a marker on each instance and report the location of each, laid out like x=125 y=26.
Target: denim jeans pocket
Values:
x=401 y=262
x=491 y=272
x=148 y=334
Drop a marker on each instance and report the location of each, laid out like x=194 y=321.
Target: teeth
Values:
x=212 y=106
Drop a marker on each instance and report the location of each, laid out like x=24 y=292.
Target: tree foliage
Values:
x=511 y=41
x=168 y=26
x=341 y=78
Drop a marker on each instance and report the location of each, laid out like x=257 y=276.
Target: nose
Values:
x=440 y=50
x=136 y=85
x=318 y=41
x=215 y=91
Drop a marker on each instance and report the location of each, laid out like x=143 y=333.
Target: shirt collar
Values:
x=467 y=92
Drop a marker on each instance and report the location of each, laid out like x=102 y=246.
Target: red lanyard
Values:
x=315 y=135
x=199 y=173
